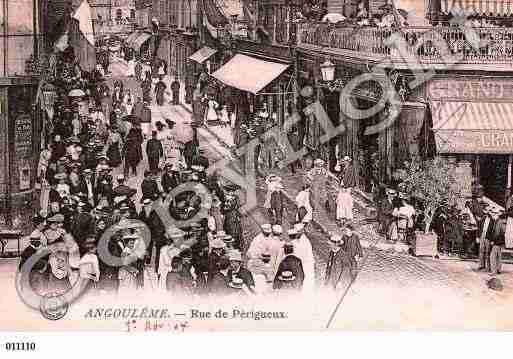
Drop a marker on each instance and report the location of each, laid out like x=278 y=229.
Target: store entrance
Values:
x=493 y=176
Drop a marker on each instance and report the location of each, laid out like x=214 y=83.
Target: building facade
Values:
x=20 y=123
x=123 y=11
x=143 y=14
x=101 y=11
x=461 y=110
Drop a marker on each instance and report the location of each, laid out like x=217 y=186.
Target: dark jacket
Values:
x=154 y=148
x=337 y=261
x=293 y=264
x=149 y=189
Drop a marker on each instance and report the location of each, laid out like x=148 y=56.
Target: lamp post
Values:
x=328 y=71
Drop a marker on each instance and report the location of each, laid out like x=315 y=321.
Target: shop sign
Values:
x=472 y=141
x=23 y=136
x=466 y=89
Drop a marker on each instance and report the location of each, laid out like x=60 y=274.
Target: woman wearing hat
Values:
x=344 y=205
x=114 y=145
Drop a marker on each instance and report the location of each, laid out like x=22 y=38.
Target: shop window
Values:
x=17 y=43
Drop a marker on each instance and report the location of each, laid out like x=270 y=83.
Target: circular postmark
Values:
x=53 y=306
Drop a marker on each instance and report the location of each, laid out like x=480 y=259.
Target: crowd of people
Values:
x=85 y=173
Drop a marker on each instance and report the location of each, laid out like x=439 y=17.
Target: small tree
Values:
x=433 y=182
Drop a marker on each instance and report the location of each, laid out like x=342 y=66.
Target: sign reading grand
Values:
x=470 y=89
x=473 y=141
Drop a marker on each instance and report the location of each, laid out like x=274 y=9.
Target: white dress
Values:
x=130 y=68
x=344 y=204
x=212 y=110
x=167 y=253
x=303 y=200
x=303 y=250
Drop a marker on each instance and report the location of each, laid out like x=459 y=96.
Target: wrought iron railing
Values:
x=427 y=44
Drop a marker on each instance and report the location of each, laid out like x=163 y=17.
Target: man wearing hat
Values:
x=387 y=208
x=87 y=186
x=58 y=149
x=232 y=219
x=217 y=251
x=319 y=178
x=170 y=177
x=154 y=152
x=486 y=230
x=83 y=225
x=290 y=274
x=336 y=265
x=237 y=270
x=259 y=245
x=54 y=233
x=150 y=218
x=149 y=186
x=274 y=198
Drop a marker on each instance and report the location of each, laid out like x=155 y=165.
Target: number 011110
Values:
x=21 y=346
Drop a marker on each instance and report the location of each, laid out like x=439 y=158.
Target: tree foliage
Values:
x=432 y=182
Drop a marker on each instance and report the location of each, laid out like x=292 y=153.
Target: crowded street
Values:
x=219 y=165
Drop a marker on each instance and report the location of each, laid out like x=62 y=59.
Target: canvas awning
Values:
x=138 y=41
x=473 y=127
x=130 y=39
x=249 y=74
x=202 y=54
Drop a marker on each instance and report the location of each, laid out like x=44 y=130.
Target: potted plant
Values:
x=434 y=184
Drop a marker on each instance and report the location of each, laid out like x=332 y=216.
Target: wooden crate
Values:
x=425 y=244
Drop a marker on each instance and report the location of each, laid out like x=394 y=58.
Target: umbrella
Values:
x=124 y=191
x=76 y=93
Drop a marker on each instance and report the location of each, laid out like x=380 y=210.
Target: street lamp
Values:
x=328 y=71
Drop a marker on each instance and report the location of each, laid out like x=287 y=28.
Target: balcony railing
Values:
x=427 y=44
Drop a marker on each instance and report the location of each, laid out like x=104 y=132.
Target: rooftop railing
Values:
x=427 y=44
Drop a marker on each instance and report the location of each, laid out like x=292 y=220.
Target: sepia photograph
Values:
x=174 y=166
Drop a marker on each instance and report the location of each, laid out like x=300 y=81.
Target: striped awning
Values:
x=473 y=127
x=478 y=7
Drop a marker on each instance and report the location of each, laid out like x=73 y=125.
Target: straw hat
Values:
x=286 y=276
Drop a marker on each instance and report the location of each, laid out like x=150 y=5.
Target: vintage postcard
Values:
x=244 y=165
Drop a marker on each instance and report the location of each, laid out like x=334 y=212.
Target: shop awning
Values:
x=202 y=54
x=248 y=73
x=140 y=40
x=473 y=127
x=130 y=39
